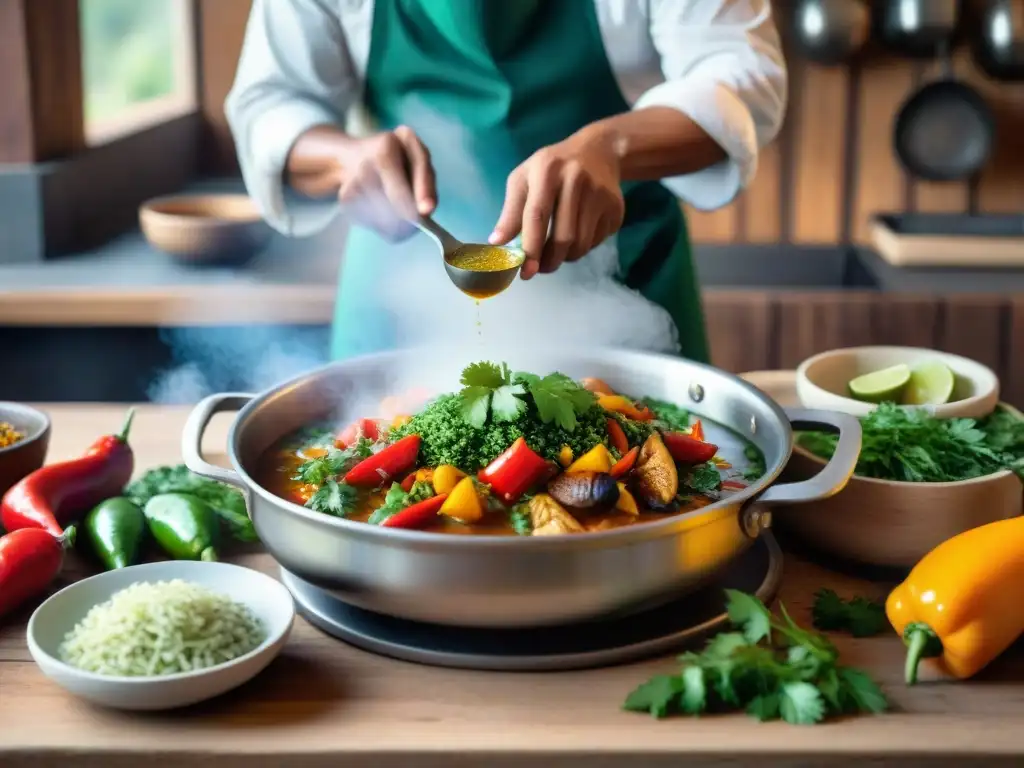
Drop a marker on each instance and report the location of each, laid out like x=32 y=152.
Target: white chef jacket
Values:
x=717 y=61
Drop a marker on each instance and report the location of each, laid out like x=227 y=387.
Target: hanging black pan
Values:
x=945 y=131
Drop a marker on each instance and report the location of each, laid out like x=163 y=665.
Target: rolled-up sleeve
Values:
x=724 y=69
x=294 y=74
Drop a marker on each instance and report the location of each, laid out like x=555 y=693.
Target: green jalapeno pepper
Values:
x=116 y=529
x=185 y=527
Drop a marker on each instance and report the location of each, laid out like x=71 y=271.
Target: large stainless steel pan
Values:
x=496 y=581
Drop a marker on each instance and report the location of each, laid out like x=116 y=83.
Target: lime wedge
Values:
x=879 y=386
x=931 y=383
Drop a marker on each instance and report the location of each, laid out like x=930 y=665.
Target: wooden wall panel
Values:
x=221 y=32
x=973 y=326
x=809 y=323
x=762 y=202
x=740 y=330
x=1001 y=185
x=1012 y=375
x=905 y=321
x=721 y=226
x=880 y=184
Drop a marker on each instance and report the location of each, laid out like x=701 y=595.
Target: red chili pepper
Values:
x=57 y=494
x=616 y=436
x=697 y=431
x=409 y=482
x=514 y=472
x=733 y=485
x=386 y=465
x=623 y=465
x=30 y=558
x=367 y=428
x=417 y=515
x=686 y=450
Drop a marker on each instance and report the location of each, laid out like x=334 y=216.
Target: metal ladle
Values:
x=480 y=284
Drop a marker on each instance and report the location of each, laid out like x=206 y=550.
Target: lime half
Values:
x=931 y=383
x=880 y=386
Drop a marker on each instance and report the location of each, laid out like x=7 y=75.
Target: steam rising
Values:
x=581 y=304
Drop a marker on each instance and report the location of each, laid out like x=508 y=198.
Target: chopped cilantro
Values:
x=396 y=500
x=756 y=468
x=671 y=416
x=703 y=478
x=859 y=616
x=519 y=518
x=333 y=463
x=558 y=398
x=771 y=669
x=333 y=498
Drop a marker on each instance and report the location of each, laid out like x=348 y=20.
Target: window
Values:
x=138 y=65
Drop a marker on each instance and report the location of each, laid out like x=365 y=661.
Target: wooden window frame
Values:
x=62 y=191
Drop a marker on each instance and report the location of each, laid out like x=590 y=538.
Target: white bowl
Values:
x=52 y=620
x=821 y=381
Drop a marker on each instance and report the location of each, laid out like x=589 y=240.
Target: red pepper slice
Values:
x=367 y=428
x=417 y=515
x=623 y=465
x=514 y=472
x=697 y=431
x=56 y=495
x=30 y=558
x=686 y=450
x=733 y=485
x=386 y=465
x=617 y=437
x=409 y=481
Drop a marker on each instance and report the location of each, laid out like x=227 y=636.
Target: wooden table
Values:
x=322 y=703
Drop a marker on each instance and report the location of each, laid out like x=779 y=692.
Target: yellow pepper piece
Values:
x=400 y=421
x=961 y=603
x=625 y=406
x=565 y=456
x=463 y=503
x=446 y=477
x=597 y=459
x=626 y=502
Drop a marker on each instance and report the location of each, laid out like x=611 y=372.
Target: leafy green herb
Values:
x=396 y=500
x=859 y=616
x=333 y=498
x=333 y=463
x=227 y=502
x=756 y=467
x=488 y=389
x=703 y=478
x=909 y=445
x=519 y=517
x=558 y=398
x=670 y=416
x=770 y=668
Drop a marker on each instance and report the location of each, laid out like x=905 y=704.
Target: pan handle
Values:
x=833 y=478
x=195 y=428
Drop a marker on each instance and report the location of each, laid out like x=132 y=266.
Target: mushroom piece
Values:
x=549 y=518
x=656 y=476
x=585 y=490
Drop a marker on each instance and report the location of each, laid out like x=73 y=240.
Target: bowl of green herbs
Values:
x=919 y=481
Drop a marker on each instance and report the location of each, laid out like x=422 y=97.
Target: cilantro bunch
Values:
x=492 y=390
x=333 y=497
x=770 y=668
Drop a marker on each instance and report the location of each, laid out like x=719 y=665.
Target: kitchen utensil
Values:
x=614 y=640
x=945 y=131
x=500 y=581
x=881 y=522
x=476 y=283
x=918 y=28
x=999 y=44
x=28 y=454
x=973 y=241
x=51 y=621
x=821 y=380
x=212 y=230
x=830 y=31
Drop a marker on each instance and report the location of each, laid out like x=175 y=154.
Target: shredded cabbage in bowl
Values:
x=161 y=628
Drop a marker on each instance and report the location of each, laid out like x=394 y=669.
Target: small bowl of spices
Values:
x=24 y=441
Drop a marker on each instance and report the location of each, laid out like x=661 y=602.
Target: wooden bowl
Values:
x=821 y=381
x=882 y=522
x=28 y=454
x=205 y=229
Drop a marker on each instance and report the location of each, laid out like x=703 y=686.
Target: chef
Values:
x=571 y=127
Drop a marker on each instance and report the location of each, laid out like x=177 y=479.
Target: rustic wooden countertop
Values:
x=323 y=703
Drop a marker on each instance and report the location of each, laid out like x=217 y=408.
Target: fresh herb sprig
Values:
x=491 y=390
x=910 y=445
x=317 y=471
x=334 y=498
x=397 y=499
x=770 y=668
x=858 y=616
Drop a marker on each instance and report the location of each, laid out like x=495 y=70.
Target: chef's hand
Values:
x=386 y=180
x=572 y=188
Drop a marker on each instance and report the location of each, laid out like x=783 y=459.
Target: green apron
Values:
x=485 y=85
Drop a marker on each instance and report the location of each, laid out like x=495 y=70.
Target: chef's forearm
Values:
x=655 y=143
x=314 y=165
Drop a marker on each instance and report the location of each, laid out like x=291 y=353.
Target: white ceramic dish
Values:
x=822 y=381
x=52 y=620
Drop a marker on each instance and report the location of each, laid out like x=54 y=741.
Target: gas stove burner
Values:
x=574 y=646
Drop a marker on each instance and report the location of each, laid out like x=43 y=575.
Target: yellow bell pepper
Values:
x=446 y=477
x=463 y=503
x=565 y=456
x=597 y=459
x=961 y=603
x=626 y=502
